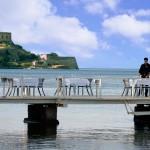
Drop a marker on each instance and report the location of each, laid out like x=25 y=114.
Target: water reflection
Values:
x=38 y=130
x=142 y=137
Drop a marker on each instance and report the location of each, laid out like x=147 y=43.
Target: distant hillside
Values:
x=61 y=62
x=14 y=56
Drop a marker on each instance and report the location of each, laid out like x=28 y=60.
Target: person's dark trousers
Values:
x=146 y=90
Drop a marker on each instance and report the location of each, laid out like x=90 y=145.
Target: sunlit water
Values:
x=82 y=127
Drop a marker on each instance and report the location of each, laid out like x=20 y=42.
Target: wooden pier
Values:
x=42 y=105
x=43 y=109
x=75 y=100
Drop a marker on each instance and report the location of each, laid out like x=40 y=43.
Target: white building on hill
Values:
x=43 y=57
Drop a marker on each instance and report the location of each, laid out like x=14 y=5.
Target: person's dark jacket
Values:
x=144 y=70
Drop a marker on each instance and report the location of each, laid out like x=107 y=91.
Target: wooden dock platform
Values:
x=42 y=99
x=75 y=100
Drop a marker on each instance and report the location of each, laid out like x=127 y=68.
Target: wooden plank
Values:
x=75 y=100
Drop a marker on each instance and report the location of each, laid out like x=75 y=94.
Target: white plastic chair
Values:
x=127 y=87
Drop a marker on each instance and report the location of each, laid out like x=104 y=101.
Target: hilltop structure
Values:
x=5 y=37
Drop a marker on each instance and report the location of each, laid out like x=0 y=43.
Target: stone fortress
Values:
x=5 y=37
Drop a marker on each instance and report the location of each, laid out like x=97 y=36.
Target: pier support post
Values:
x=42 y=113
x=142 y=121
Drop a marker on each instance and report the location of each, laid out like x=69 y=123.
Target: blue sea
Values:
x=82 y=127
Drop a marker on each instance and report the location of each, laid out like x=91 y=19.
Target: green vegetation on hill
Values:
x=14 y=56
x=64 y=62
x=57 y=62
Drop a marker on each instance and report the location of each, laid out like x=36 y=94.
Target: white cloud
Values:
x=127 y=26
x=100 y=6
x=112 y=4
x=94 y=8
x=36 y=22
x=142 y=12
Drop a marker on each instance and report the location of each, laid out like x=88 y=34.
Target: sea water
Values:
x=82 y=127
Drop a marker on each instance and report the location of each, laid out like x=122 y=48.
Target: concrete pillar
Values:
x=42 y=113
x=142 y=121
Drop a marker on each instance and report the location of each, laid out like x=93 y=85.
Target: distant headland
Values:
x=14 y=56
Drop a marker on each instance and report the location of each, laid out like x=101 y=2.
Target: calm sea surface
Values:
x=82 y=127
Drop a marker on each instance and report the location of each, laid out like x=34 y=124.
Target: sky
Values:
x=99 y=33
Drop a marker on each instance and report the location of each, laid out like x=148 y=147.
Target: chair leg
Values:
x=87 y=90
x=139 y=91
x=33 y=91
x=78 y=90
x=66 y=88
x=127 y=91
x=69 y=90
x=74 y=90
x=7 y=91
x=29 y=91
x=17 y=91
x=130 y=89
x=142 y=91
x=135 y=91
x=43 y=92
x=39 y=91
x=123 y=92
x=56 y=91
x=10 y=91
x=14 y=91
x=91 y=90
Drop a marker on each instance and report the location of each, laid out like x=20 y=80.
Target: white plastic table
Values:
x=139 y=82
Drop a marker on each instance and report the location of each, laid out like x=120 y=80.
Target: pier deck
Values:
x=75 y=100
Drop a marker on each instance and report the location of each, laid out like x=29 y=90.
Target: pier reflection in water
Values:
x=40 y=136
x=38 y=130
x=142 y=138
